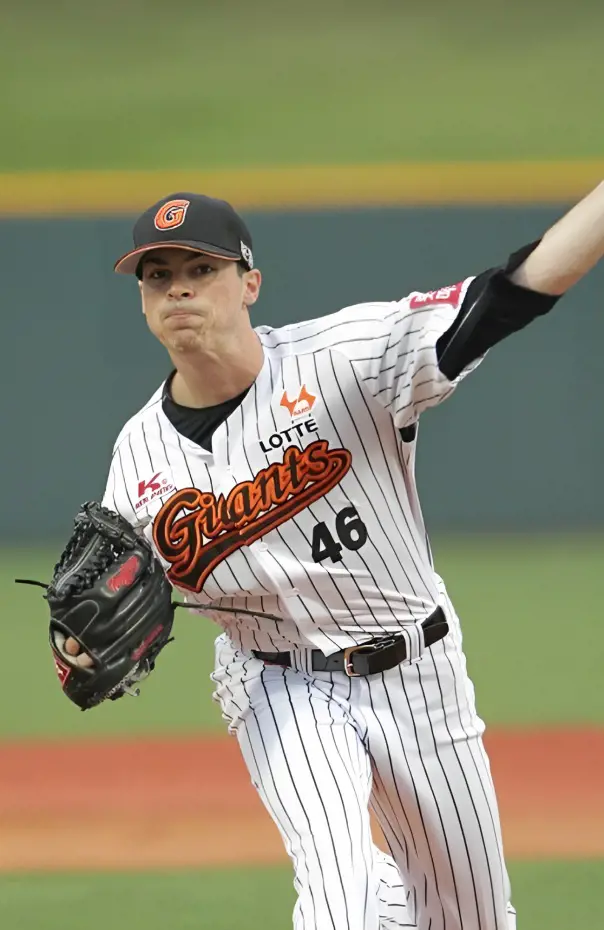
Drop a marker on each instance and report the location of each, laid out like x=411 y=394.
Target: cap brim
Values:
x=128 y=263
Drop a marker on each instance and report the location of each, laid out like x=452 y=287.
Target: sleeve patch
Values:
x=444 y=295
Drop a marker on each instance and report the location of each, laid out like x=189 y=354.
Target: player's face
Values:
x=190 y=299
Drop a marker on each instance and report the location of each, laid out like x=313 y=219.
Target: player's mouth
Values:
x=180 y=312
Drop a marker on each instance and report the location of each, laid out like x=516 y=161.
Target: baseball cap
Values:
x=189 y=221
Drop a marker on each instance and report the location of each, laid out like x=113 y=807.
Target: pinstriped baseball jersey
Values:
x=306 y=508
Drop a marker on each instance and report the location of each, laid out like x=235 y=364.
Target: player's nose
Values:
x=180 y=290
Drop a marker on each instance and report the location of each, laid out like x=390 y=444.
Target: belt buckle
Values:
x=348 y=669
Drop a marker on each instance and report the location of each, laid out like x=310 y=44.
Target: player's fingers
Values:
x=85 y=661
x=72 y=648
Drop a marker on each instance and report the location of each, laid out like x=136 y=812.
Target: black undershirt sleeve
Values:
x=493 y=308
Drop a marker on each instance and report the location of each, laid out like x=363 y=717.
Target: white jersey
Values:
x=307 y=508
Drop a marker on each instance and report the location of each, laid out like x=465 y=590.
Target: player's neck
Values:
x=207 y=380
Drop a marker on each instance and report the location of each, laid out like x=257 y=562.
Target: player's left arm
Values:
x=503 y=301
x=427 y=343
x=568 y=250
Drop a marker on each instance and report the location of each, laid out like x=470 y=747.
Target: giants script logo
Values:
x=213 y=527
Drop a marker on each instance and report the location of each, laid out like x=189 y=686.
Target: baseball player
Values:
x=273 y=475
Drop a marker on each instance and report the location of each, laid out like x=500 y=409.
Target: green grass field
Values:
x=197 y=84
x=533 y=639
x=547 y=896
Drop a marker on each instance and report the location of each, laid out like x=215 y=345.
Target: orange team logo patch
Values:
x=300 y=405
x=195 y=530
x=172 y=214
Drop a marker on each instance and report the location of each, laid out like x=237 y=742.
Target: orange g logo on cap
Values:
x=171 y=214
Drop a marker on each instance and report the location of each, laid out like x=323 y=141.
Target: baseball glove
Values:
x=110 y=594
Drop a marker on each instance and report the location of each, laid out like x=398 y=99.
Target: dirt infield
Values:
x=121 y=805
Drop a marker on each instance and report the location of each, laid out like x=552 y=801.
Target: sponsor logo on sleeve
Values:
x=444 y=295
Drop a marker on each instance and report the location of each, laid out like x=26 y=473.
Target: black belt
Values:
x=378 y=655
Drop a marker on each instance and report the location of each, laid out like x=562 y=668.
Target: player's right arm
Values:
x=117 y=495
x=110 y=494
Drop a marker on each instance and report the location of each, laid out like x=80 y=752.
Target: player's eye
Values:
x=158 y=274
x=204 y=269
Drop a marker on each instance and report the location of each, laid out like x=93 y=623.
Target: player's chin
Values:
x=183 y=339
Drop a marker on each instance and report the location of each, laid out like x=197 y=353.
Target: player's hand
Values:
x=72 y=648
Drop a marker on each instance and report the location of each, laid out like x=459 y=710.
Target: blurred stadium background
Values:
x=373 y=150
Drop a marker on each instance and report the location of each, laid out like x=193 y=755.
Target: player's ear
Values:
x=252 y=280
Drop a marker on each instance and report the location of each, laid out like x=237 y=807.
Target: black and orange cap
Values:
x=189 y=221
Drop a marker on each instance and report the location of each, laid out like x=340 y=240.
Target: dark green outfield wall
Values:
x=519 y=446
